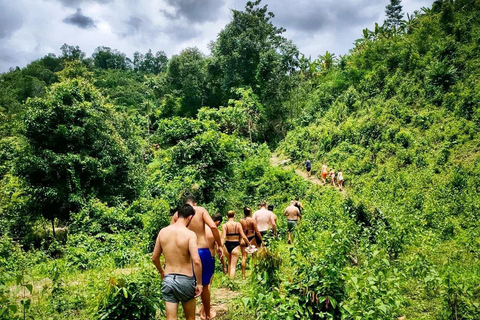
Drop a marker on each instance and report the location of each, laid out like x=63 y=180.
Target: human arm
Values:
x=273 y=222
x=197 y=263
x=259 y=235
x=285 y=213
x=211 y=224
x=157 y=252
x=299 y=214
x=242 y=234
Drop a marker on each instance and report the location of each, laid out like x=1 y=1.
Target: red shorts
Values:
x=324 y=175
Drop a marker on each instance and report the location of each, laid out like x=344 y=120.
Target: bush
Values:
x=131 y=298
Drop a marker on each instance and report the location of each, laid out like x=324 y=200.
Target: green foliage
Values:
x=76 y=151
x=127 y=298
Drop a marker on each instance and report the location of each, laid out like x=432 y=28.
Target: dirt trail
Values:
x=288 y=165
x=220 y=298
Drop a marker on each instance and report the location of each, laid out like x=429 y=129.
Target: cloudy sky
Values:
x=29 y=29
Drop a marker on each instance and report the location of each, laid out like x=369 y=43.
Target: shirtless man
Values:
x=179 y=245
x=298 y=204
x=197 y=225
x=293 y=216
x=270 y=208
x=265 y=220
x=217 y=218
x=324 y=174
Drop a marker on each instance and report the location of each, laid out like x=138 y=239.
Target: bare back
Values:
x=175 y=244
x=248 y=225
x=197 y=225
x=264 y=219
x=292 y=213
x=210 y=240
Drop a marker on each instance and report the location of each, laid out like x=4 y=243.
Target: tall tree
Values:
x=252 y=52
x=187 y=76
x=394 y=14
x=77 y=151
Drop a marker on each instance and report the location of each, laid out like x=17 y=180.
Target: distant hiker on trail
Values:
x=298 y=204
x=340 y=179
x=249 y=226
x=324 y=174
x=179 y=246
x=270 y=208
x=332 y=176
x=293 y=216
x=197 y=225
x=265 y=221
x=232 y=233
x=217 y=218
x=308 y=164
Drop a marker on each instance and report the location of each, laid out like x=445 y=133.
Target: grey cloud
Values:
x=10 y=20
x=80 y=20
x=76 y=3
x=310 y=17
x=196 y=11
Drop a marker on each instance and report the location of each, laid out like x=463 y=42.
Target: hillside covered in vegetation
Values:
x=97 y=152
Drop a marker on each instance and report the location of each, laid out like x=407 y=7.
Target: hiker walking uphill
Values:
x=232 y=234
x=250 y=228
x=270 y=208
x=179 y=246
x=308 y=165
x=265 y=221
x=206 y=277
x=197 y=225
x=293 y=216
x=324 y=174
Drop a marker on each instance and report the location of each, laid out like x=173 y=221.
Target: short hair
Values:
x=270 y=207
x=263 y=204
x=292 y=202
x=247 y=211
x=231 y=214
x=217 y=217
x=296 y=198
x=189 y=199
x=185 y=211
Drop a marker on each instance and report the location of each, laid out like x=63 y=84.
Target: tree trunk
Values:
x=53 y=228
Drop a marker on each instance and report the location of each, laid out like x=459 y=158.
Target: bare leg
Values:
x=172 y=309
x=189 y=309
x=233 y=262
x=244 y=261
x=206 y=300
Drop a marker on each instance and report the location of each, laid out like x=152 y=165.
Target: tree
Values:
x=108 y=58
x=76 y=151
x=72 y=52
x=394 y=14
x=328 y=60
x=187 y=76
x=150 y=63
x=252 y=52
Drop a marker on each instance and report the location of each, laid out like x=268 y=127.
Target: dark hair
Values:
x=270 y=207
x=231 y=214
x=189 y=198
x=185 y=211
x=247 y=211
x=263 y=204
x=217 y=217
x=296 y=198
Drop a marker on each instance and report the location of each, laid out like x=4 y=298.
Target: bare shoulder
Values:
x=190 y=234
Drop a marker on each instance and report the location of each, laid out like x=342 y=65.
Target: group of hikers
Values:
x=336 y=178
x=190 y=242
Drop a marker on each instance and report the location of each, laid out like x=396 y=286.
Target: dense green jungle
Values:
x=97 y=152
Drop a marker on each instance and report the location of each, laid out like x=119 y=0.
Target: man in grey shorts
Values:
x=293 y=216
x=179 y=245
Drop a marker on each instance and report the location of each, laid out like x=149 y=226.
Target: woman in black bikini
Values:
x=231 y=234
x=249 y=225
